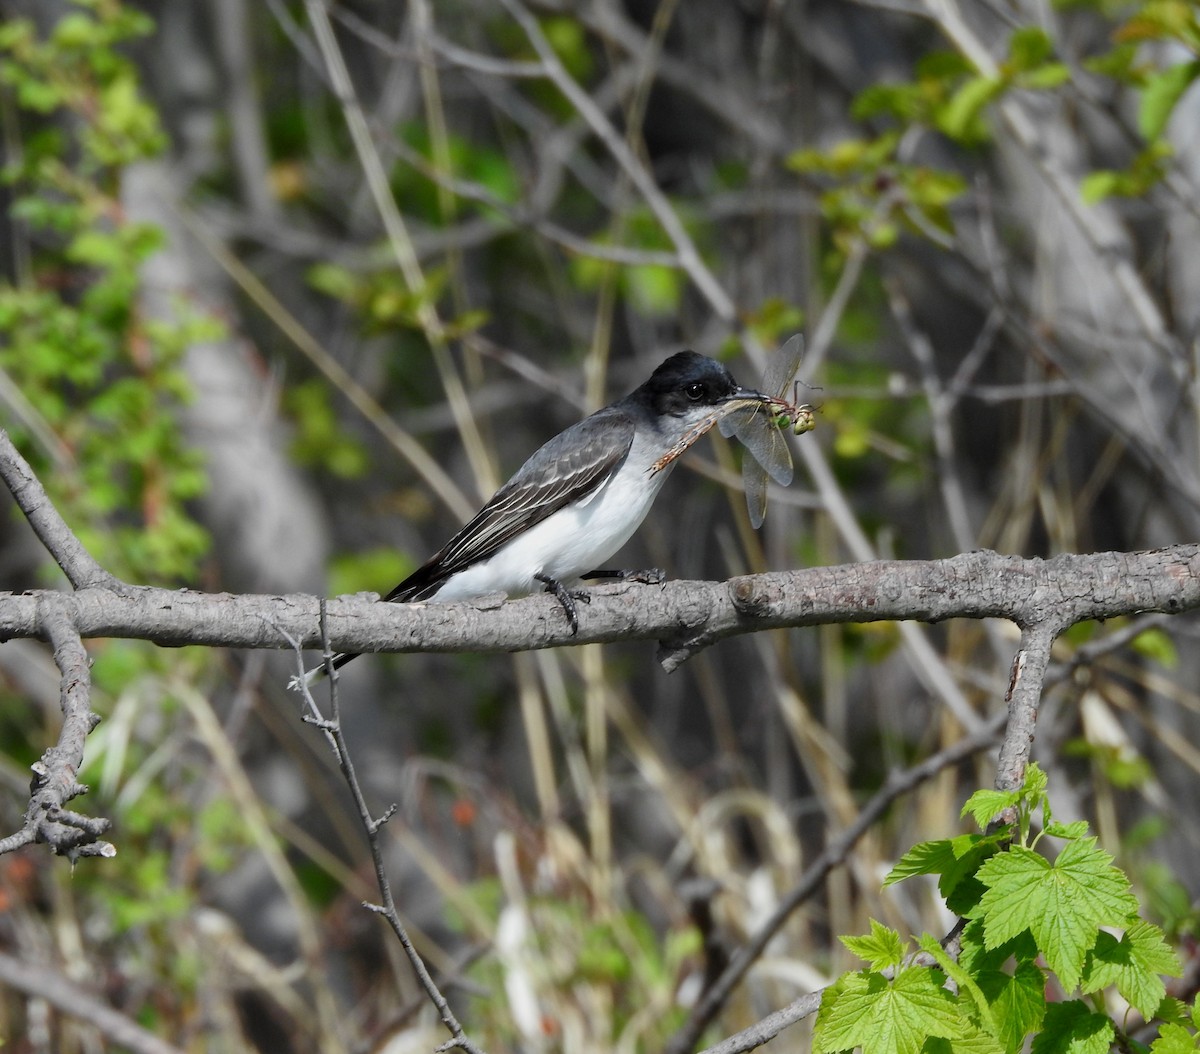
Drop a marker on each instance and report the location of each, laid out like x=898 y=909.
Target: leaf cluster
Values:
x=1032 y=922
x=100 y=382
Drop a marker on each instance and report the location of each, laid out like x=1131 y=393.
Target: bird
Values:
x=580 y=496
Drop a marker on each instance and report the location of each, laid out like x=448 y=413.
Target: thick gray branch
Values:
x=685 y=616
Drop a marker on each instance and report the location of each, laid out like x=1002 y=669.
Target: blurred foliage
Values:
x=100 y=383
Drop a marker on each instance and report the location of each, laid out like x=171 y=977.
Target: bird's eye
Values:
x=694 y=391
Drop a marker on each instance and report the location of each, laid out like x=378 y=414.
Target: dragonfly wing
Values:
x=783 y=366
x=768 y=446
x=754 y=479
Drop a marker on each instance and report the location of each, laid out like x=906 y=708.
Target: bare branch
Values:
x=1023 y=697
x=332 y=728
x=43 y=982
x=898 y=784
x=54 y=775
x=688 y=616
x=76 y=562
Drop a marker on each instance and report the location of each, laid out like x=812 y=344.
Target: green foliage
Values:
x=1031 y=920
x=1173 y=21
x=576 y=959
x=480 y=165
x=653 y=290
x=365 y=571
x=320 y=439
x=877 y=193
x=101 y=383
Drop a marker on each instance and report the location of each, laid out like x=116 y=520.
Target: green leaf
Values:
x=1071 y=1028
x=1096 y=186
x=984 y=805
x=1163 y=90
x=974 y=1041
x=1155 y=644
x=1018 y=1002
x=881 y=948
x=1051 y=75
x=1062 y=904
x=654 y=290
x=955 y=861
x=962 y=979
x=1174 y=1039
x=931 y=858
x=959 y=117
x=1134 y=965
x=1070 y=831
x=866 y=1011
x=1029 y=46
x=979 y=959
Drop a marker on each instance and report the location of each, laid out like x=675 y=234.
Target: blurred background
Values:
x=288 y=289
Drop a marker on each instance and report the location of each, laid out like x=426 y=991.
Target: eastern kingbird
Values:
x=578 y=499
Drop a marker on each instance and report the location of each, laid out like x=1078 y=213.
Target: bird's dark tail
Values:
x=312 y=676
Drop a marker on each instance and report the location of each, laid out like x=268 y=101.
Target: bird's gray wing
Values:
x=565 y=469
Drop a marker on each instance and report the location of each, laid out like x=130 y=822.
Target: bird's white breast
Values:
x=571 y=542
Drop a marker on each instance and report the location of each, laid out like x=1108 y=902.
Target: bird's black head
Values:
x=686 y=382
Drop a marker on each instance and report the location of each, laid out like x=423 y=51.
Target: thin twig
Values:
x=331 y=727
x=689 y=256
x=43 y=982
x=55 y=780
x=898 y=783
x=80 y=567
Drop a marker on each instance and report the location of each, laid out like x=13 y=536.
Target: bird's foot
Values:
x=566 y=598
x=650 y=576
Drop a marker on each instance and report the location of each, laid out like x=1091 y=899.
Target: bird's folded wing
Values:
x=566 y=469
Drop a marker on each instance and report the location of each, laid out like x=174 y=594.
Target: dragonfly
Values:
x=759 y=426
x=758 y=422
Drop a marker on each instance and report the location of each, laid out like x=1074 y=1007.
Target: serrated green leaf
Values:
x=975 y=1041
x=1174 y=1039
x=1162 y=91
x=881 y=948
x=1069 y=831
x=931 y=858
x=963 y=979
x=1035 y=785
x=1133 y=964
x=1062 y=904
x=1173 y=1011
x=1018 y=1002
x=884 y=1018
x=1072 y=1028
x=984 y=805
x=979 y=959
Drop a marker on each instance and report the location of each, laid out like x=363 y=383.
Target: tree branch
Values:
x=334 y=734
x=54 y=780
x=43 y=982
x=686 y=616
x=709 y=1005
x=77 y=563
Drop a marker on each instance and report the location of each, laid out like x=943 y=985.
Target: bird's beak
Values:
x=744 y=397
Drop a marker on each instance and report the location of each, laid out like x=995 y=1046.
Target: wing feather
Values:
x=570 y=466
